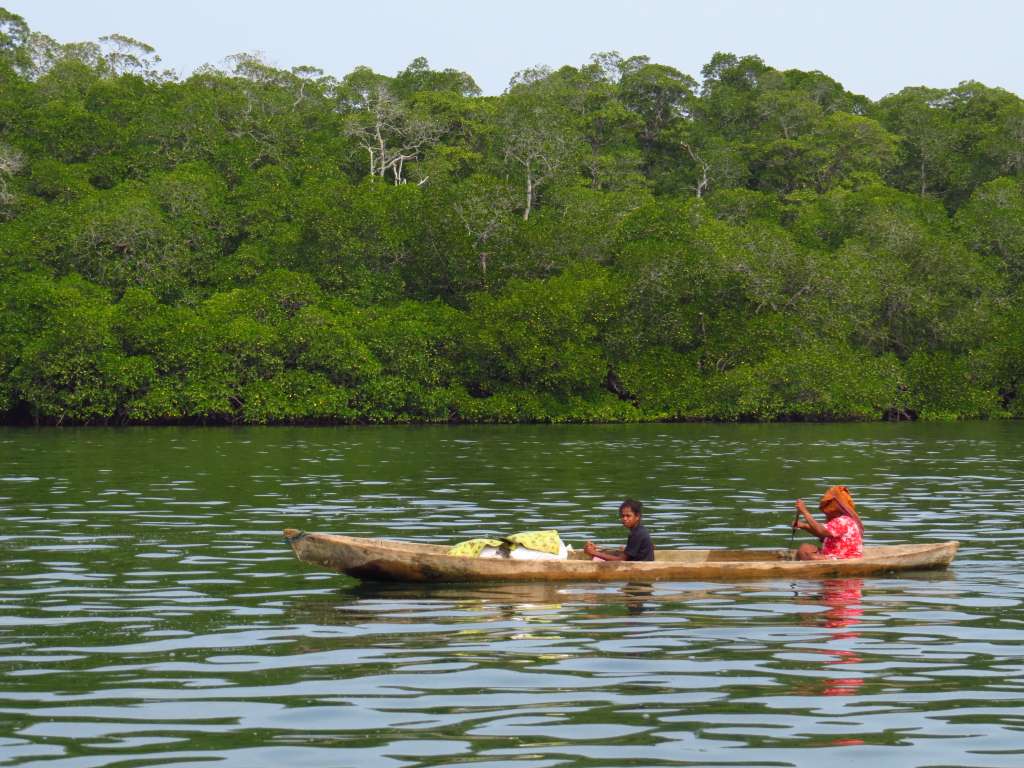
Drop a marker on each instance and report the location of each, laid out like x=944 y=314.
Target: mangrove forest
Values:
x=609 y=242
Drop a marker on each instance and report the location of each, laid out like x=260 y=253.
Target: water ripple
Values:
x=150 y=613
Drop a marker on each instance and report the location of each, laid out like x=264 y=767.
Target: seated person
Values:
x=638 y=546
x=842 y=535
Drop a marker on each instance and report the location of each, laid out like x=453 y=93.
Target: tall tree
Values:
x=391 y=133
x=537 y=132
x=418 y=77
x=14 y=41
x=929 y=138
x=11 y=163
x=729 y=93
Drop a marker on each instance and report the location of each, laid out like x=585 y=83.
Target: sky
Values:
x=872 y=47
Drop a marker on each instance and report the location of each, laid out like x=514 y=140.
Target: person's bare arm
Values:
x=604 y=554
x=809 y=523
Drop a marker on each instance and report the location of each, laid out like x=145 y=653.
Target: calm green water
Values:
x=150 y=613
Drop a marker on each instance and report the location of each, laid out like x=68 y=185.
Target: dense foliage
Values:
x=613 y=242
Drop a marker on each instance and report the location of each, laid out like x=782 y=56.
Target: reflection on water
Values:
x=841 y=598
x=150 y=614
x=636 y=597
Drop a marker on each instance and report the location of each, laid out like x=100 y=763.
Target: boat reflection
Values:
x=636 y=597
x=527 y=601
x=843 y=611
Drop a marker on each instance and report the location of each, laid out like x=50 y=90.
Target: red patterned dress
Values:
x=844 y=539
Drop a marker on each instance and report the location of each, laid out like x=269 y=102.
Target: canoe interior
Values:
x=662 y=555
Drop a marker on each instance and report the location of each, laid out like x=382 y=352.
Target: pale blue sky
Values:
x=873 y=47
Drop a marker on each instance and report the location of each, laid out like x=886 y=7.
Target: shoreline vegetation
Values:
x=614 y=242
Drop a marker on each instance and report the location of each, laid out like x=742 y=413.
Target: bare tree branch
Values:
x=11 y=163
x=391 y=135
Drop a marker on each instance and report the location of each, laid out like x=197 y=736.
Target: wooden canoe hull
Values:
x=388 y=560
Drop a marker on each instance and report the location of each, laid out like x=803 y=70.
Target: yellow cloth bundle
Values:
x=539 y=541
x=473 y=547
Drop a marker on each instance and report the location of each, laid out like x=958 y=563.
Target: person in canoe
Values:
x=842 y=534
x=638 y=546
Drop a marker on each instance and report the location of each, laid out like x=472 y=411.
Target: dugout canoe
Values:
x=390 y=560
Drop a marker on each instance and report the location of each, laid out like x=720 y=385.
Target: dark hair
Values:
x=633 y=504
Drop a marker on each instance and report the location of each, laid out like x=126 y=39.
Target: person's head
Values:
x=630 y=512
x=836 y=501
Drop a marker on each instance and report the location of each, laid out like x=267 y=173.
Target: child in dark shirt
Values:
x=639 y=545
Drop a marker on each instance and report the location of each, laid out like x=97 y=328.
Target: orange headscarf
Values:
x=842 y=496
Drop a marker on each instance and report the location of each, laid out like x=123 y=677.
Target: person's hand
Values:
x=801 y=509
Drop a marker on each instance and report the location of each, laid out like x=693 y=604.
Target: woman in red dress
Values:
x=842 y=535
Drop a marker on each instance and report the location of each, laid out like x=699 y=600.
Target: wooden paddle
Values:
x=796 y=519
